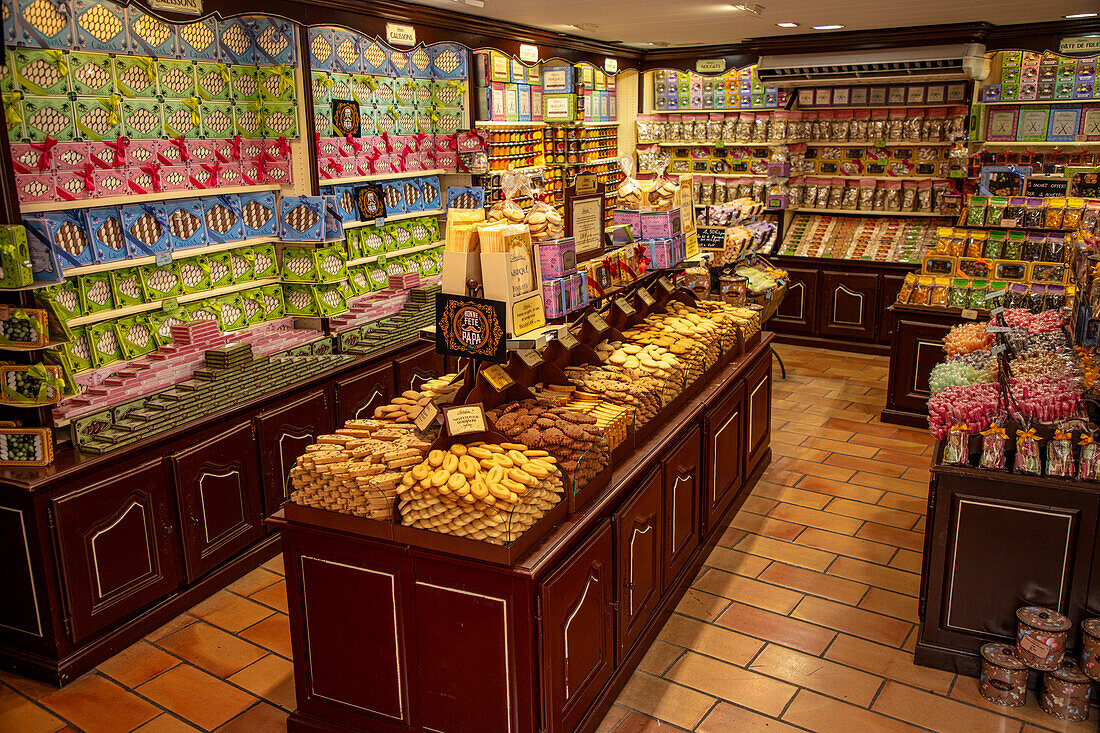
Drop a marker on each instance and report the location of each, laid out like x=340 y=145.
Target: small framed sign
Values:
x=1046 y=186
x=471 y=327
x=584 y=204
x=465 y=419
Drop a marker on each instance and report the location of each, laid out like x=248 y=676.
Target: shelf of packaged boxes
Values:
x=393 y=218
x=881 y=144
x=1039 y=101
x=176 y=254
x=727 y=144
x=395 y=253
x=485 y=123
x=383 y=177
x=858 y=212
x=960 y=103
x=156 y=304
x=1048 y=144
x=139 y=198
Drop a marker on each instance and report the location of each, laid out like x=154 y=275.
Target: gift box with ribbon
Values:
x=276 y=83
x=107 y=234
x=37 y=187
x=109 y=182
x=197 y=40
x=40 y=72
x=221 y=272
x=212 y=81
x=258 y=214
x=135 y=335
x=276 y=40
x=176 y=79
x=100 y=26
x=148 y=35
x=45 y=117
x=194 y=274
x=105 y=343
x=136 y=76
x=217 y=120
x=15 y=258
x=182 y=117
x=96 y=294
x=185 y=223
x=279 y=120
x=30 y=386
x=222 y=215
x=127 y=287
x=240 y=265
x=448 y=61
x=141 y=119
x=321 y=48
x=375 y=58
x=237 y=42
x=264 y=262
x=67 y=234
x=301 y=218
x=48 y=24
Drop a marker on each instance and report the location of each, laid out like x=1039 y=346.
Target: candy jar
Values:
x=1027 y=453
x=1060 y=455
x=956 y=451
x=993 y=448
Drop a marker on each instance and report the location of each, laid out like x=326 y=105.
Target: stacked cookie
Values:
x=571 y=437
x=485 y=491
x=645 y=395
x=636 y=360
x=406 y=406
x=357 y=469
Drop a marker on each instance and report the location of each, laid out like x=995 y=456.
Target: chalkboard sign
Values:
x=712 y=237
x=1046 y=186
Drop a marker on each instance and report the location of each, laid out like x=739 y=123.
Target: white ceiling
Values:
x=692 y=22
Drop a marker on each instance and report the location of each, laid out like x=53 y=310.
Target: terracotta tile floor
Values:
x=803 y=618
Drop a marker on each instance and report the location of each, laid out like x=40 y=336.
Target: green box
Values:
x=231 y=312
x=161 y=281
x=212 y=81
x=279 y=119
x=376 y=273
x=79 y=351
x=276 y=83
x=41 y=72
x=559 y=107
x=136 y=77
x=221 y=274
x=244 y=84
x=127 y=287
x=322 y=88
x=217 y=120
x=141 y=120
x=162 y=322
x=48 y=117
x=96 y=293
x=371 y=241
x=265 y=263
x=194 y=274
x=62 y=300
x=351 y=243
x=176 y=79
x=92 y=74
x=97 y=118
x=203 y=310
x=15 y=258
x=248 y=119
x=359 y=280
x=299 y=300
x=252 y=305
x=273 y=302
x=136 y=335
x=182 y=117
x=330 y=299
x=105 y=343
x=240 y=265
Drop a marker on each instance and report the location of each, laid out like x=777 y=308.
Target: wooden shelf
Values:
x=47 y=345
x=856 y=212
x=599 y=161
x=156 y=304
x=386 y=177
x=177 y=254
x=139 y=198
x=976 y=102
x=395 y=217
x=1041 y=144
x=486 y=123
x=395 y=253
x=885 y=144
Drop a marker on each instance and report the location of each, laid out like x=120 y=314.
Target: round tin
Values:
x=1066 y=693
x=1090 y=648
x=1004 y=677
x=1041 y=637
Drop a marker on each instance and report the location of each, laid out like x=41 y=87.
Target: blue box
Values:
x=347 y=54
x=45 y=267
x=393 y=197
x=430 y=193
x=413 y=195
x=334 y=222
x=276 y=40
x=107 y=234
x=465 y=197
x=558 y=79
x=302 y=218
x=448 y=61
x=186 y=224
x=238 y=44
x=345 y=201
x=222 y=215
x=146 y=228
x=1063 y=124
x=258 y=215
x=67 y=232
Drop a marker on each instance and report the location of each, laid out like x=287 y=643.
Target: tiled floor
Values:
x=802 y=619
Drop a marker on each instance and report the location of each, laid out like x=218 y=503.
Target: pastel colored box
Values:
x=393 y=197
x=280 y=120
x=346 y=53
x=95 y=292
x=72 y=155
x=221 y=272
x=46 y=24
x=222 y=215
x=38 y=72
x=244 y=84
x=185 y=223
x=107 y=235
x=240 y=267
x=127 y=287
x=71 y=185
x=375 y=58
x=212 y=81
x=174 y=178
x=420 y=63
x=67 y=233
x=276 y=40
x=198 y=40
x=276 y=84
x=141 y=120
x=96 y=118
x=182 y=118
x=448 y=61
x=48 y=117
x=136 y=77
x=217 y=120
x=103 y=338
x=237 y=42
x=301 y=218
x=148 y=35
x=258 y=214
x=100 y=26
x=36 y=187
x=247 y=120
x=321 y=48
x=557 y=258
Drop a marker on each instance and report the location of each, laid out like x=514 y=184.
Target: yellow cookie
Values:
x=455 y=481
x=421 y=471
x=435 y=458
x=517 y=458
x=467 y=466
x=450 y=463
x=480 y=452
x=458 y=449
x=440 y=477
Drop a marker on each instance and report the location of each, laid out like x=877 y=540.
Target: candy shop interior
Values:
x=705 y=368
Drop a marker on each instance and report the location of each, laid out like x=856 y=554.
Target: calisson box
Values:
x=490 y=66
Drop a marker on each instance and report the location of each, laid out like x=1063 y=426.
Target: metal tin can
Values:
x=1090 y=648
x=1041 y=637
x=1004 y=677
x=1066 y=693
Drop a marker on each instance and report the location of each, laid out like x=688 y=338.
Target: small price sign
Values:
x=163 y=258
x=426 y=417
x=596 y=321
x=465 y=419
x=645 y=297
x=568 y=340
x=626 y=308
x=665 y=285
x=497 y=378
x=529 y=357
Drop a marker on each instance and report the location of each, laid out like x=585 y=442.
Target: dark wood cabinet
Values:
x=798 y=311
x=723 y=445
x=284 y=432
x=577 y=636
x=849 y=305
x=218 y=490
x=116 y=547
x=891 y=286
x=758 y=418
x=358 y=394
x=416 y=367
x=681 y=505
x=638 y=548
x=997 y=542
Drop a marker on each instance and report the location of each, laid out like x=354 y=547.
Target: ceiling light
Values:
x=827 y=27
x=1075 y=16
x=754 y=8
x=787 y=24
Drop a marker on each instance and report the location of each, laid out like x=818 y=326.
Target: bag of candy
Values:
x=1060 y=455
x=1088 y=462
x=1028 y=459
x=629 y=191
x=544 y=221
x=993 y=446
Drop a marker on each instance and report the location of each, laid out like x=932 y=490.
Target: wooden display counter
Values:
x=916 y=345
x=997 y=541
x=838 y=304
x=392 y=636
x=97 y=551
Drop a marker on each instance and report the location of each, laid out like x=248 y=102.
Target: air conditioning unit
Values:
x=921 y=63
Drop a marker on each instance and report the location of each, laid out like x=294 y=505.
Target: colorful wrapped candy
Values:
x=1027 y=453
x=967 y=337
x=1060 y=455
x=953 y=374
x=1088 y=463
x=956 y=451
x=993 y=448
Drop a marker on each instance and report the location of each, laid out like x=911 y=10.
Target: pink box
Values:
x=333 y=168
x=174 y=152
x=228 y=174
x=35 y=188
x=175 y=178
x=386 y=164
x=446 y=160
x=329 y=147
x=71 y=156
x=272 y=172
x=202 y=151
x=71 y=185
x=557 y=259
x=110 y=182
x=142 y=152
x=28 y=158
x=250 y=149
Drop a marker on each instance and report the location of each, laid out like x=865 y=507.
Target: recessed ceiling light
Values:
x=787 y=25
x=827 y=27
x=1075 y=16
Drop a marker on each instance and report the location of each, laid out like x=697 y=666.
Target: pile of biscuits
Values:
x=572 y=437
x=506 y=210
x=645 y=395
x=357 y=469
x=545 y=223
x=407 y=405
x=636 y=360
x=485 y=491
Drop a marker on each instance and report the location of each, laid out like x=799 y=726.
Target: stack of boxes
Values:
x=736 y=89
x=509 y=91
x=660 y=231
x=418 y=313
x=564 y=289
x=1027 y=76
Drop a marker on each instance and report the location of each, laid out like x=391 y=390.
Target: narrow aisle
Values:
x=804 y=616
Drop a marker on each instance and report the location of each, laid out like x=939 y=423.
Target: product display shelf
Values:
x=489 y=123
x=138 y=198
x=600 y=161
x=47 y=345
x=158 y=304
x=176 y=254
x=1017 y=103
x=395 y=217
x=811 y=108
x=646 y=533
x=395 y=253
x=386 y=176
x=862 y=212
x=1038 y=145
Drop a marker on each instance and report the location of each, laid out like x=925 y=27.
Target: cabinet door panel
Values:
x=117 y=547
x=758 y=408
x=725 y=455
x=417 y=367
x=357 y=395
x=284 y=434
x=576 y=635
x=919 y=348
x=681 y=505
x=891 y=286
x=848 y=305
x=638 y=551
x=218 y=488
x=798 y=311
